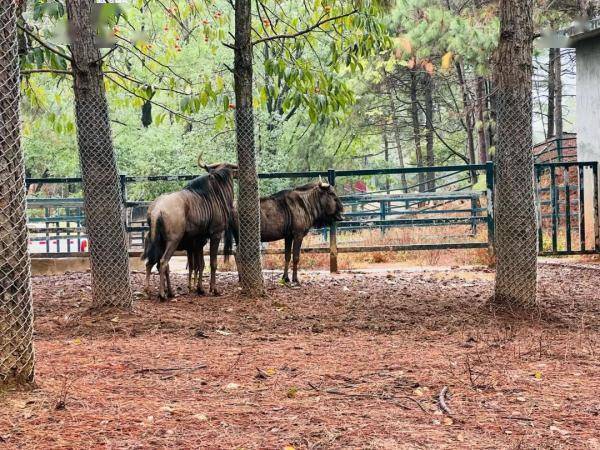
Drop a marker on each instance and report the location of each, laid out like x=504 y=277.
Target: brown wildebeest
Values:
x=291 y=213
x=186 y=219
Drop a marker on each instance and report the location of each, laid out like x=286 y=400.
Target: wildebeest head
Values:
x=330 y=204
x=212 y=168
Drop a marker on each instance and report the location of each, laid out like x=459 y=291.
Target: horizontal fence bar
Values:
x=280 y=251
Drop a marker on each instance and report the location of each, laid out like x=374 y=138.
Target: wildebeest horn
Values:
x=322 y=183
x=201 y=163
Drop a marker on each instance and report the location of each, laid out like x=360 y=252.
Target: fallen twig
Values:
x=375 y=396
x=170 y=369
x=442 y=401
x=526 y=419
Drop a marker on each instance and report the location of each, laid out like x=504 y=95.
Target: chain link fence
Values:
x=515 y=213
x=248 y=258
x=16 y=310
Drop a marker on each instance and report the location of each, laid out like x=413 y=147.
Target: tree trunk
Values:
x=558 y=95
x=430 y=156
x=386 y=155
x=481 y=135
x=468 y=120
x=551 y=88
x=16 y=310
x=103 y=202
x=248 y=254
x=516 y=235
x=397 y=137
x=414 y=103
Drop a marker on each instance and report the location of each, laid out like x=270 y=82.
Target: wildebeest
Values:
x=187 y=219
x=291 y=213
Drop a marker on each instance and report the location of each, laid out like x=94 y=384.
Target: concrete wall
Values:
x=588 y=100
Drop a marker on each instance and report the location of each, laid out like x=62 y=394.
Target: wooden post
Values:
x=333 y=249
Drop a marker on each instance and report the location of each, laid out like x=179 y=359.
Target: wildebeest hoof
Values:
x=162 y=298
x=285 y=279
x=201 y=292
x=170 y=295
x=216 y=293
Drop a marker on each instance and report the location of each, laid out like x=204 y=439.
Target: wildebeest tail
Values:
x=231 y=233
x=154 y=243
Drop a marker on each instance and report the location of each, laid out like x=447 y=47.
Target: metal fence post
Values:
x=489 y=180
x=333 y=250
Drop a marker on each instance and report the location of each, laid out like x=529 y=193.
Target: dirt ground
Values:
x=356 y=360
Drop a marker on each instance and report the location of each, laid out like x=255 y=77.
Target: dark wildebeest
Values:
x=291 y=213
x=186 y=219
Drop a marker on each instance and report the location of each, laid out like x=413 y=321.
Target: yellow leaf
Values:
x=430 y=68
x=403 y=43
x=77 y=341
x=270 y=372
x=538 y=375
x=447 y=61
x=288 y=447
x=448 y=421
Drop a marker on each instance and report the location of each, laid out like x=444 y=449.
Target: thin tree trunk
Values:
x=468 y=120
x=386 y=156
x=558 y=95
x=515 y=215
x=491 y=114
x=397 y=137
x=481 y=128
x=551 y=93
x=16 y=309
x=414 y=103
x=429 y=135
x=103 y=203
x=248 y=254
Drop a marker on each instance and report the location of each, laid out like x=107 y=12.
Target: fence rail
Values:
x=382 y=209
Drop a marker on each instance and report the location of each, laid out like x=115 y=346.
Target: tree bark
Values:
x=516 y=231
x=248 y=254
x=16 y=309
x=397 y=137
x=103 y=205
x=481 y=107
x=468 y=119
x=414 y=107
x=551 y=93
x=429 y=135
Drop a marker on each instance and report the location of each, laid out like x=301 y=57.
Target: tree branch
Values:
x=53 y=71
x=43 y=44
x=305 y=31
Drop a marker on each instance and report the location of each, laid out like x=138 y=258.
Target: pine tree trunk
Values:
x=104 y=216
x=429 y=139
x=386 y=156
x=516 y=231
x=558 y=95
x=468 y=119
x=397 y=136
x=248 y=254
x=481 y=135
x=16 y=309
x=414 y=104
x=551 y=88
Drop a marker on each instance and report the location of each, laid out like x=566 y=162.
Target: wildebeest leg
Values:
x=296 y=260
x=199 y=257
x=169 y=288
x=164 y=267
x=148 y=273
x=288 y=257
x=214 y=249
x=190 y=263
